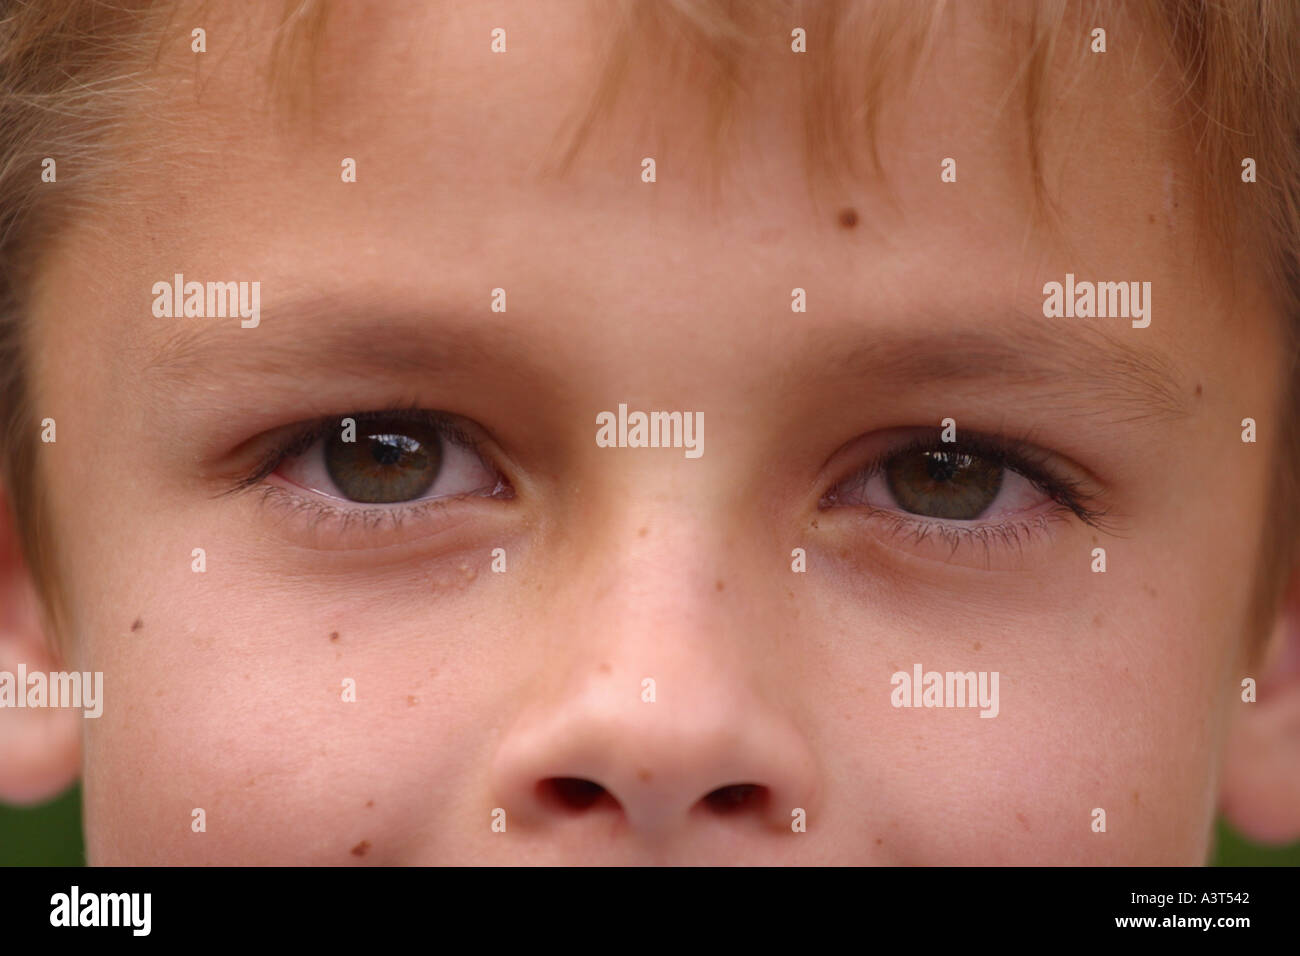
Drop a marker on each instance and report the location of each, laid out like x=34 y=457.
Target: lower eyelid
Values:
x=988 y=543
x=312 y=521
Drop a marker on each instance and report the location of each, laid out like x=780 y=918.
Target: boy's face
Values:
x=477 y=689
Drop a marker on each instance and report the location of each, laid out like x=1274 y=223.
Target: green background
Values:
x=50 y=835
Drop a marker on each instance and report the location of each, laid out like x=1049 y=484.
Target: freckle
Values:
x=814 y=522
x=644 y=775
x=848 y=218
x=1198 y=389
x=642 y=533
x=433 y=672
x=1149 y=589
x=879 y=841
x=369 y=804
x=604 y=668
x=411 y=700
x=361 y=849
x=334 y=635
x=137 y=625
x=719 y=586
x=1023 y=822
x=978 y=645
x=1096 y=620
x=1135 y=798
x=1151 y=217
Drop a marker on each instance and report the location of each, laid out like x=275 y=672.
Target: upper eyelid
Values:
x=1006 y=452
x=1010 y=453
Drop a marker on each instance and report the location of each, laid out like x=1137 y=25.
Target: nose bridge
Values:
x=650 y=599
x=663 y=559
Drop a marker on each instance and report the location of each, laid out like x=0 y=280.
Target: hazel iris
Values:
x=943 y=483
x=389 y=461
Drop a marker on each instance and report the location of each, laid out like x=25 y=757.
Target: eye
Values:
x=387 y=458
x=984 y=490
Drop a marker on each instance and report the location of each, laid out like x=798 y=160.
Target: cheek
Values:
x=1106 y=702
x=297 y=745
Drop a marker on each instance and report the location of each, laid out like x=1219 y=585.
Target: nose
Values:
x=693 y=757
x=663 y=706
x=655 y=716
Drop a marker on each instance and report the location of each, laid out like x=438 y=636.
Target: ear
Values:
x=40 y=747
x=1260 y=785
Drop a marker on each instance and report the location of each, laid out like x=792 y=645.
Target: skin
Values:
x=1119 y=691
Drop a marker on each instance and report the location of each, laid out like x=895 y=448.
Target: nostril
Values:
x=736 y=798
x=571 y=793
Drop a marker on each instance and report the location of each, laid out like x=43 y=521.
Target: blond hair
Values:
x=1237 y=64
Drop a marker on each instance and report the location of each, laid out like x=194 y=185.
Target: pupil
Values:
x=386 y=450
x=940 y=466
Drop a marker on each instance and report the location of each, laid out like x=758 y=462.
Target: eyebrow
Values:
x=1076 y=363
x=370 y=340
x=1081 y=359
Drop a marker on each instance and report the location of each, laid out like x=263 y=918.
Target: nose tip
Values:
x=655 y=772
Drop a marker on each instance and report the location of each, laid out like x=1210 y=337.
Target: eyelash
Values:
x=1033 y=465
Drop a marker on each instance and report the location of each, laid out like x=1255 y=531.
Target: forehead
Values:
x=417 y=94
x=453 y=144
